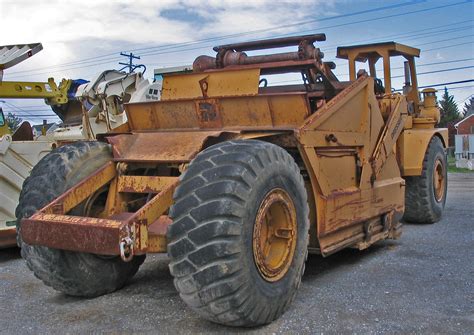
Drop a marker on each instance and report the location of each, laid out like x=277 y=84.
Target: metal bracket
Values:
x=58 y=208
x=126 y=249
x=127 y=243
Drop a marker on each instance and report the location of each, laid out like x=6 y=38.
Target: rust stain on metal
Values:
x=158 y=147
x=81 y=191
x=73 y=233
x=157 y=206
x=208 y=112
x=7 y=237
x=144 y=184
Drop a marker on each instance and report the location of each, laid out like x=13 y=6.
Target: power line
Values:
x=437 y=63
x=437 y=71
x=15 y=107
x=322 y=28
x=404 y=36
x=32 y=73
x=461 y=87
x=415 y=2
x=188 y=49
x=360 y=21
x=180 y=45
x=466 y=86
x=170 y=45
x=448 y=46
x=450 y=83
x=337 y=25
x=399 y=76
x=448 y=39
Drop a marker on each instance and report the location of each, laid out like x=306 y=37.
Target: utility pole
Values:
x=130 y=64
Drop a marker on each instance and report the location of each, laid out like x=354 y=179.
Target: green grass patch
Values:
x=452 y=166
x=456 y=169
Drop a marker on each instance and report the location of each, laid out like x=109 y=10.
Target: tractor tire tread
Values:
x=69 y=272
x=204 y=259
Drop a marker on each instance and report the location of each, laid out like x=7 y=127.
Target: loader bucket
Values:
x=71 y=112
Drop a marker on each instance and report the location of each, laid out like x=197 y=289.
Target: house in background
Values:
x=464 y=143
x=49 y=128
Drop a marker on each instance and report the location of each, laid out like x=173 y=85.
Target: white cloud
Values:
x=74 y=30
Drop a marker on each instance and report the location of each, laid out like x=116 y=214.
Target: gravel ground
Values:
x=422 y=283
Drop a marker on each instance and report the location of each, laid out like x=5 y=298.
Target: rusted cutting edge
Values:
x=91 y=235
x=7 y=237
x=100 y=236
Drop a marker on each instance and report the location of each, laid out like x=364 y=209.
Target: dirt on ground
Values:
x=422 y=283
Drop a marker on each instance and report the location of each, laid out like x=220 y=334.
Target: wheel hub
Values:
x=274 y=235
x=439 y=180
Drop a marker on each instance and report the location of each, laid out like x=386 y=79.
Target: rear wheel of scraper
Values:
x=73 y=273
x=239 y=237
x=426 y=194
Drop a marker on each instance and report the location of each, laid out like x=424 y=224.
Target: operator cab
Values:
x=372 y=53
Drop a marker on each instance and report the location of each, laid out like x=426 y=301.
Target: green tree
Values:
x=449 y=110
x=469 y=107
x=13 y=121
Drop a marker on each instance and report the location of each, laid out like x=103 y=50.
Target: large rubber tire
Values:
x=73 y=273
x=421 y=204
x=211 y=237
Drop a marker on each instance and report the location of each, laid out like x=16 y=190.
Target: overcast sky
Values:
x=82 y=38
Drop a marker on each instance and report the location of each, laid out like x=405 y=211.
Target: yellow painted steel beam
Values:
x=390 y=133
x=158 y=205
x=82 y=191
x=144 y=184
x=215 y=84
x=412 y=145
x=53 y=93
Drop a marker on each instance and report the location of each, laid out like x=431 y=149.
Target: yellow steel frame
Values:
x=349 y=153
x=53 y=93
x=412 y=145
x=4 y=129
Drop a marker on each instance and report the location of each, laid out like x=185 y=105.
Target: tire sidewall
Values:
x=275 y=176
x=437 y=154
x=74 y=273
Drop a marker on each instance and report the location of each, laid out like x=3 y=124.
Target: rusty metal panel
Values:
x=287 y=110
x=341 y=163
x=218 y=84
x=339 y=142
x=157 y=234
x=159 y=147
x=7 y=237
x=238 y=112
x=144 y=184
x=348 y=111
x=162 y=115
x=92 y=235
x=347 y=215
x=343 y=208
x=208 y=113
